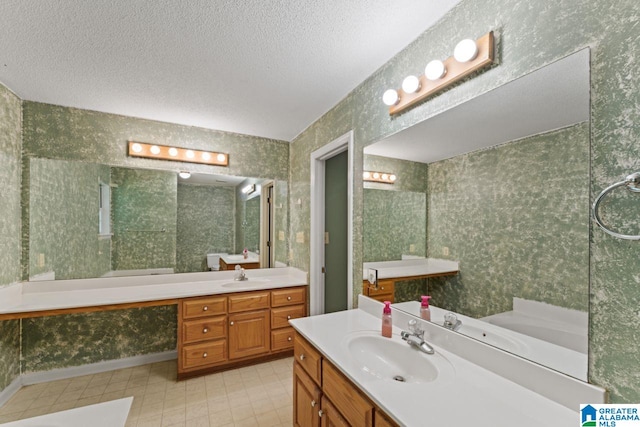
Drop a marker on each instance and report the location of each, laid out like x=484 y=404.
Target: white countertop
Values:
x=64 y=294
x=474 y=396
x=240 y=259
x=410 y=267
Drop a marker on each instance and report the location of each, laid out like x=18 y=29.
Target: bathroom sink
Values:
x=244 y=283
x=394 y=360
x=234 y=257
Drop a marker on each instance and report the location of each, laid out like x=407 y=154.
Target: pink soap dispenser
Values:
x=425 y=313
x=386 y=320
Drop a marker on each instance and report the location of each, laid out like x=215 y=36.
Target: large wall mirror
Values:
x=91 y=220
x=501 y=185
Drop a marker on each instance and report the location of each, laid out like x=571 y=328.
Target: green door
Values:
x=335 y=225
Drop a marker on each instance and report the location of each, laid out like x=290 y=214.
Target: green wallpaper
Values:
x=529 y=36
x=144 y=212
x=410 y=176
x=206 y=224
x=393 y=222
x=10 y=232
x=78 y=339
x=63 y=219
x=517 y=218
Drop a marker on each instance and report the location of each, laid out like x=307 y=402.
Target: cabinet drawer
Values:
x=384 y=287
x=280 y=316
x=282 y=339
x=248 y=301
x=204 y=329
x=308 y=357
x=209 y=353
x=290 y=296
x=201 y=307
x=354 y=407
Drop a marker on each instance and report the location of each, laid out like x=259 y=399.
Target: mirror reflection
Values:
x=92 y=220
x=499 y=184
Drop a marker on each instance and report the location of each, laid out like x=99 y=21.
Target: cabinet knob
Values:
x=205 y=330
x=302 y=357
x=320 y=413
x=204 y=354
x=205 y=308
x=288 y=317
x=231 y=323
x=288 y=298
x=313 y=403
x=382 y=287
x=289 y=338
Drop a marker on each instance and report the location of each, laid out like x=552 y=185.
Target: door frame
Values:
x=316 y=238
x=266 y=225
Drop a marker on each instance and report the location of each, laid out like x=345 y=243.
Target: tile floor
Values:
x=259 y=395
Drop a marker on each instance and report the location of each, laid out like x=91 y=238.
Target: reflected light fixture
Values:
x=163 y=152
x=383 y=177
x=249 y=189
x=184 y=174
x=469 y=57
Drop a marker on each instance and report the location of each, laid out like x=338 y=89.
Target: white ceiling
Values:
x=266 y=68
x=554 y=97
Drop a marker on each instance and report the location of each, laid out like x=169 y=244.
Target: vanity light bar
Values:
x=164 y=152
x=440 y=74
x=384 y=177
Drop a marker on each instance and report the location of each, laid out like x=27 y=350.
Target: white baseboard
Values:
x=94 y=368
x=10 y=390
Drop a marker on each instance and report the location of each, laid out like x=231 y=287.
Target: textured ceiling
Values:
x=266 y=68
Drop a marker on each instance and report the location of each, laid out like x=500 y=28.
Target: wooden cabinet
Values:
x=245 y=265
x=383 y=292
x=226 y=331
x=323 y=396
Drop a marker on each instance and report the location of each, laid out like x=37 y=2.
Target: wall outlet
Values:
x=300 y=237
x=412 y=248
x=281 y=235
x=445 y=251
x=40 y=260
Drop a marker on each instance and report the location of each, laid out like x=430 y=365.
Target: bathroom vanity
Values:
x=345 y=371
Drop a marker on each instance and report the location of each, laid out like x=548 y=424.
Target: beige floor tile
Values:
x=151 y=409
x=153 y=421
x=198 y=422
x=242 y=412
x=6 y=418
x=36 y=412
x=39 y=402
x=92 y=400
x=220 y=418
x=173 y=417
x=268 y=419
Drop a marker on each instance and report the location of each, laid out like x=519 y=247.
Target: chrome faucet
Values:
x=240 y=275
x=452 y=322
x=415 y=338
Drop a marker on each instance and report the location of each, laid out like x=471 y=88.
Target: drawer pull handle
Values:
x=231 y=323
x=289 y=338
x=288 y=317
x=313 y=403
x=382 y=287
x=205 y=330
x=320 y=413
x=204 y=354
x=288 y=298
x=302 y=357
x=205 y=308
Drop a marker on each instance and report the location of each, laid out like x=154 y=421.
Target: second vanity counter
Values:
x=463 y=393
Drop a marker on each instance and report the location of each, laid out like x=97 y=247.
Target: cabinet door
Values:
x=249 y=334
x=354 y=407
x=329 y=416
x=306 y=399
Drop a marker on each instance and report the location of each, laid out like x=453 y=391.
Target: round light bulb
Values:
x=376 y=175
x=366 y=175
x=222 y=157
x=390 y=97
x=435 y=70
x=173 y=152
x=385 y=176
x=392 y=178
x=136 y=148
x=465 y=51
x=190 y=154
x=155 y=149
x=410 y=84
x=185 y=175
x=206 y=156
